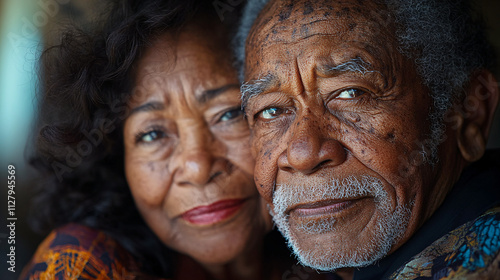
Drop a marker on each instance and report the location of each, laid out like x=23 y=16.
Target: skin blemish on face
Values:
x=151 y=166
x=391 y=136
x=304 y=30
x=354 y=122
x=344 y=12
x=268 y=154
x=267 y=38
x=352 y=26
x=405 y=170
x=285 y=12
x=308 y=8
x=278 y=66
x=361 y=141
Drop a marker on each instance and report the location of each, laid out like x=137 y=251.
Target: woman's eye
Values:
x=350 y=93
x=150 y=136
x=270 y=113
x=232 y=114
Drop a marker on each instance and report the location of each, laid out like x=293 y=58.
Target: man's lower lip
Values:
x=211 y=216
x=322 y=210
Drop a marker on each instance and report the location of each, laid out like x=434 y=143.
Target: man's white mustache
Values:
x=287 y=197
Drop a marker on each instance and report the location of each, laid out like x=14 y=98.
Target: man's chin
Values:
x=320 y=252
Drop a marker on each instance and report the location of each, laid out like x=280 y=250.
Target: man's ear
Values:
x=476 y=118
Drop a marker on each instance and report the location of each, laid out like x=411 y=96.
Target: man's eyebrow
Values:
x=147 y=107
x=256 y=87
x=355 y=65
x=209 y=94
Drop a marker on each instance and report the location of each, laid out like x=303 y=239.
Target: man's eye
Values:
x=232 y=114
x=350 y=93
x=270 y=113
x=150 y=136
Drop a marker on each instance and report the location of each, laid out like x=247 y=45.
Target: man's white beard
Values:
x=388 y=230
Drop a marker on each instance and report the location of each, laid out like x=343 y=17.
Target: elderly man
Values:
x=369 y=121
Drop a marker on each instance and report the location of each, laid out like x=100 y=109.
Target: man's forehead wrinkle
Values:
x=354 y=22
x=297 y=26
x=285 y=42
x=281 y=27
x=295 y=36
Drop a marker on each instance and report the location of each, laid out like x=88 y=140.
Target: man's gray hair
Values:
x=250 y=13
x=445 y=38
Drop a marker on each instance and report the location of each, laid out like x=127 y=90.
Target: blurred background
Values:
x=26 y=26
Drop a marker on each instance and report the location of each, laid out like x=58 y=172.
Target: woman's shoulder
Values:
x=75 y=251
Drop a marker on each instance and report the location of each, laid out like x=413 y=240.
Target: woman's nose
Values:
x=310 y=148
x=195 y=162
x=197 y=167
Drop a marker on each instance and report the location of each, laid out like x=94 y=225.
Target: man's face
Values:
x=337 y=116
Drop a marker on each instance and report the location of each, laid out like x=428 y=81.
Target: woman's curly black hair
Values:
x=86 y=80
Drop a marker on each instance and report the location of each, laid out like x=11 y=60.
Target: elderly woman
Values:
x=145 y=154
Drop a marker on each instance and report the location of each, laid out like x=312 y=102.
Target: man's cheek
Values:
x=264 y=179
x=266 y=166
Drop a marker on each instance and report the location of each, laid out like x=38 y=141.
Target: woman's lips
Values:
x=213 y=213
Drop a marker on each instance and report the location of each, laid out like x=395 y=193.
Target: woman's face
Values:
x=187 y=154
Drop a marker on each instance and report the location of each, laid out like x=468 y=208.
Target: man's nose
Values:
x=196 y=158
x=311 y=148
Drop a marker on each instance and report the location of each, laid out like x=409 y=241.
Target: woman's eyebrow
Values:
x=210 y=94
x=148 y=107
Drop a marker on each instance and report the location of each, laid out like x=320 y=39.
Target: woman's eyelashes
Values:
x=231 y=114
x=150 y=135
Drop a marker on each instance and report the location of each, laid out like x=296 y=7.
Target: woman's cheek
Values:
x=148 y=181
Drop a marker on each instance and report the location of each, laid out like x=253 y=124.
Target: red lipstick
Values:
x=213 y=213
